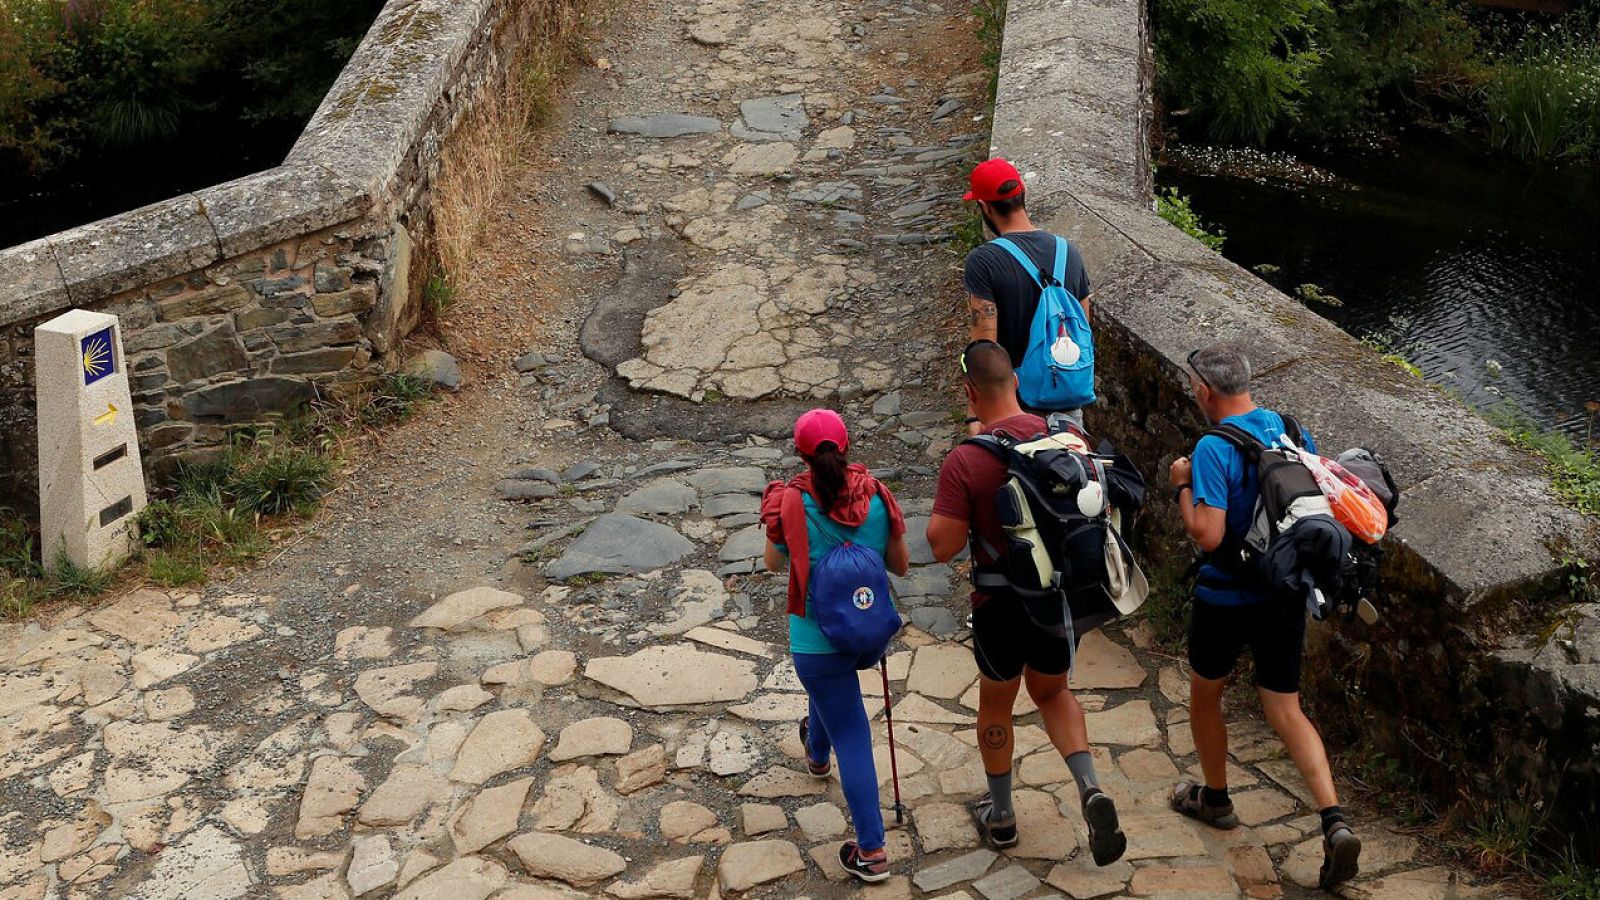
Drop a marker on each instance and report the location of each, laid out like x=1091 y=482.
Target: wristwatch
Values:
x=1177 y=492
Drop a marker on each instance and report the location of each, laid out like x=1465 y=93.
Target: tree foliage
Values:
x=135 y=73
x=1240 y=65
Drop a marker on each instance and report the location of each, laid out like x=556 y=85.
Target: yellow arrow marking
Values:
x=109 y=417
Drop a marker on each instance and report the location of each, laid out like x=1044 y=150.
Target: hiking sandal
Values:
x=1341 y=855
x=1186 y=799
x=1001 y=834
x=817 y=770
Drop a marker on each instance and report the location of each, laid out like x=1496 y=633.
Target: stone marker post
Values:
x=91 y=484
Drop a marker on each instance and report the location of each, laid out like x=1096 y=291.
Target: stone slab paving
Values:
x=542 y=666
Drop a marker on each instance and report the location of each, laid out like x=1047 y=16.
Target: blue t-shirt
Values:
x=1224 y=480
x=824 y=534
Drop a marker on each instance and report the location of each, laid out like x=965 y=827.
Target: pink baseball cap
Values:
x=817 y=426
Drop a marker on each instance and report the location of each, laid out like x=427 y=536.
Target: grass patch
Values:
x=991 y=33
x=587 y=579
x=1175 y=208
x=492 y=148
x=1543 y=101
x=393 y=398
x=1568 y=877
x=1574 y=471
x=438 y=294
x=170 y=568
x=967 y=235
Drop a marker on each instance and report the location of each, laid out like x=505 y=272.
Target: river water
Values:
x=1483 y=272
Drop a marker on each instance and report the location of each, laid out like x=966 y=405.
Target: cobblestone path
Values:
x=525 y=653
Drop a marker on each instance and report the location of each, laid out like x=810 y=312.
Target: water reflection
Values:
x=1483 y=273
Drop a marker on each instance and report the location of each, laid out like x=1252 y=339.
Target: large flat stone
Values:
x=675 y=675
x=489 y=816
x=464 y=606
x=501 y=741
x=962 y=868
x=743 y=866
x=619 y=544
x=206 y=865
x=664 y=125
x=564 y=859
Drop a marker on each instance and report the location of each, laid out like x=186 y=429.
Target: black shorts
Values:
x=1274 y=631
x=1004 y=640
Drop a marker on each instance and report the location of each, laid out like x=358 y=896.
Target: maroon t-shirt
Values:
x=968 y=481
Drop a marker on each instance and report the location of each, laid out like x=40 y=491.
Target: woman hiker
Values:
x=842 y=503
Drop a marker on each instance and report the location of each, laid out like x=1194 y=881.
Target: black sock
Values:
x=1211 y=796
x=1333 y=815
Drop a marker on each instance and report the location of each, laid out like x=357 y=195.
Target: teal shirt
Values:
x=805 y=635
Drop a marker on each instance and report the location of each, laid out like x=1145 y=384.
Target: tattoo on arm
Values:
x=982 y=311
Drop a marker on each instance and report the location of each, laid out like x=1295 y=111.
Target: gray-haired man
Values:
x=1216 y=493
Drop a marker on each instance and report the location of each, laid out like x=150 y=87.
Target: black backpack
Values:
x=1294 y=547
x=1061 y=541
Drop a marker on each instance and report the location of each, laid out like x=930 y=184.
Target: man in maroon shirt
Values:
x=1010 y=649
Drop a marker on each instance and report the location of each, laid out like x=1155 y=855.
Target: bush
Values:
x=1383 y=55
x=1175 y=208
x=1241 y=66
x=1543 y=101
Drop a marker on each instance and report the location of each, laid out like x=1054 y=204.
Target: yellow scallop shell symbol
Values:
x=97 y=357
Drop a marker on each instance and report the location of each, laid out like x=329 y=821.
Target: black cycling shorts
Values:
x=1275 y=632
x=1004 y=640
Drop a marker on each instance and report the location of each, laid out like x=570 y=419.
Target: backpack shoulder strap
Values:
x=1010 y=247
x=1059 y=270
x=1241 y=440
x=1292 y=429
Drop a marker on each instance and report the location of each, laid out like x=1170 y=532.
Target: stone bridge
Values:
x=527 y=653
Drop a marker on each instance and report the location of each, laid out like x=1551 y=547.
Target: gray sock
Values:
x=1081 y=764
x=1000 y=794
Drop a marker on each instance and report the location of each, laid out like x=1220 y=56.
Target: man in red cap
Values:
x=1003 y=295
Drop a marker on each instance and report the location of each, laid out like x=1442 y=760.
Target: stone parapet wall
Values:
x=243 y=300
x=1458 y=678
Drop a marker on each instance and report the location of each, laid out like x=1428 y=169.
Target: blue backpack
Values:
x=849 y=592
x=1057 y=372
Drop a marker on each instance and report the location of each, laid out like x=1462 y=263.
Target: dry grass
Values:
x=491 y=148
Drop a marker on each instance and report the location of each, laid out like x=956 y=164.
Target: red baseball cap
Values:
x=989 y=175
x=817 y=426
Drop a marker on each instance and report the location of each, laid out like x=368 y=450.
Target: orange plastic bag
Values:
x=1354 y=504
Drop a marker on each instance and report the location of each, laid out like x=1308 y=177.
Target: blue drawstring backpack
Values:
x=849 y=592
x=1057 y=372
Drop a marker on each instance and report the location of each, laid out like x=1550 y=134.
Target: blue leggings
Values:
x=839 y=723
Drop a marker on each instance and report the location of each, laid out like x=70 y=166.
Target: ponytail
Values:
x=827 y=475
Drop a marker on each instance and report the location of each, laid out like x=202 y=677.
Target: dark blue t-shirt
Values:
x=1224 y=480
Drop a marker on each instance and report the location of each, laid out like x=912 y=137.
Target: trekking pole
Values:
x=894 y=766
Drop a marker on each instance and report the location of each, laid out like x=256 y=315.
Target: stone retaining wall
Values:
x=1459 y=678
x=243 y=300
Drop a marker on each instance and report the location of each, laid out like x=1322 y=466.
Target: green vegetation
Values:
x=1175 y=208
x=219 y=511
x=1387 y=342
x=123 y=73
x=1241 y=65
x=438 y=294
x=23 y=580
x=1254 y=70
x=1543 y=101
x=991 y=30
x=1568 y=877
x=393 y=398
x=1574 y=471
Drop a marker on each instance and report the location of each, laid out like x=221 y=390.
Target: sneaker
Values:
x=817 y=769
x=1341 y=855
x=1106 y=840
x=868 y=869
